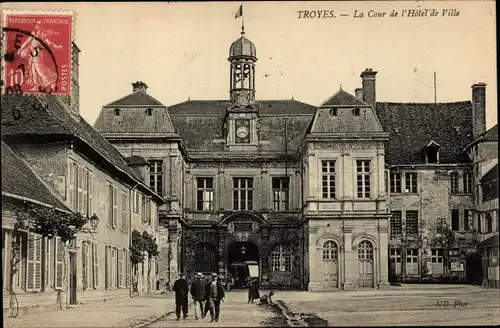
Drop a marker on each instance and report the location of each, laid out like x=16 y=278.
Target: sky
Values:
x=180 y=50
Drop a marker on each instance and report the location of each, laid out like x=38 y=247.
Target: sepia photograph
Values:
x=249 y=164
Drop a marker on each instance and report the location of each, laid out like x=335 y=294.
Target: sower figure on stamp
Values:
x=181 y=290
x=198 y=293
x=214 y=294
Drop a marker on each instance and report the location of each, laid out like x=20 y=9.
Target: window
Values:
x=411 y=261
x=432 y=155
x=328 y=179
x=281 y=189
x=395 y=259
x=243 y=194
x=146 y=210
x=89 y=265
x=149 y=112
x=455 y=220
x=479 y=223
x=330 y=251
x=156 y=176
x=489 y=223
x=411 y=182
x=412 y=222
x=468 y=183
x=137 y=202
x=333 y=112
x=454 y=182
x=467 y=219
x=436 y=265
x=356 y=111
x=395 y=183
x=205 y=259
x=124 y=208
x=396 y=223
x=281 y=259
x=111 y=267
x=112 y=206
x=34 y=263
x=120 y=266
x=365 y=251
x=117 y=111
x=363 y=178
x=205 y=194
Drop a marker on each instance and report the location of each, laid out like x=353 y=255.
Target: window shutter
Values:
x=128 y=266
x=84 y=265
x=85 y=188
x=59 y=253
x=115 y=207
x=79 y=183
x=38 y=262
x=96 y=265
x=90 y=190
x=30 y=275
x=125 y=210
x=120 y=268
x=150 y=211
x=71 y=186
x=48 y=263
x=107 y=268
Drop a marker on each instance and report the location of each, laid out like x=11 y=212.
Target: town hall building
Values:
x=318 y=198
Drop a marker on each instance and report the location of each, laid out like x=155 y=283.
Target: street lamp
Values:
x=243 y=249
x=94 y=221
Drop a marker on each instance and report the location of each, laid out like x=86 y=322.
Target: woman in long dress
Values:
x=38 y=75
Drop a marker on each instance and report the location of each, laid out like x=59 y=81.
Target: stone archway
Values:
x=239 y=255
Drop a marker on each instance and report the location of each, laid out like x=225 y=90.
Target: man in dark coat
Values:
x=214 y=294
x=198 y=293
x=181 y=290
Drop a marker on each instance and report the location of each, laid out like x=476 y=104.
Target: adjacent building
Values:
x=338 y=196
x=64 y=163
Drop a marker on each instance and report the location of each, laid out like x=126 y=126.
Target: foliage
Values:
x=443 y=236
x=47 y=221
x=142 y=244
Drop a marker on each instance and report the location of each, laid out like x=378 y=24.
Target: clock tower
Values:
x=242 y=116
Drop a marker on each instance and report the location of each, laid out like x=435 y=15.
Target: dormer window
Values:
x=117 y=111
x=396 y=130
x=149 y=111
x=432 y=152
x=356 y=111
x=333 y=111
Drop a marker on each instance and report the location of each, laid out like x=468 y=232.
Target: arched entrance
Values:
x=239 y=256
x=365 y=264
x=330 y=268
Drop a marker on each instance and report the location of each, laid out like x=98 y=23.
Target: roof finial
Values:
x=242 y=27
x=341 y=87
x=189 y=97
x=292 y=96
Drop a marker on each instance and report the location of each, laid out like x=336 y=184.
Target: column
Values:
x=264 y=259
x=347 y=187
x=381 y=172
x=350 y=260
x=173 y=251
x=315 y=264
x=383 y=276
x=222 y=251
x=221 y=190
x=264 y=187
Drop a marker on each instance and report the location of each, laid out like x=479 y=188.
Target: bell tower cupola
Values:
x=242 y=58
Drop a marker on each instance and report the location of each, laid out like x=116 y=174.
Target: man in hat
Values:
x=181 y=290
x=214 y=294
x=198 y=293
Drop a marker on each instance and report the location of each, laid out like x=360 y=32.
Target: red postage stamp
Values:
x=37 y=52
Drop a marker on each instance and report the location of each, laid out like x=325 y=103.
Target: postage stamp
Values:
x=36 y=52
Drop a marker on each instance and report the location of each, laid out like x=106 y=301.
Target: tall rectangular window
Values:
x=411 y=261
x=396 y=224
x=454 y=182
x=328 y=179
x=436 y=268
x=395 y=183
x=411 y=222
x=468 y=183
x=395 y=257
x=205 y=194
x=467 y=220
x=156 y=176
x=411 y=182
x=363 y=178
x=281 y=190
x=243 y=194
x=125 y=210
x=455 y=220
x=112 y=205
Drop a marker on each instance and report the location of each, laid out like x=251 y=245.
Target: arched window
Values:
x=365 y=251
x=330 y=251
x=281 y=259
x=205 y=258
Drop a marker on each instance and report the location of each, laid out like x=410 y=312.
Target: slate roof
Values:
x=489 y=135
x=200 y=123
x=135 y=160
x=491 y=175
x=411 y=126
x=55 y=119
x=343 y=98
x=137 y=98
x=344 y=120
x=20 y=180
x=135 y=120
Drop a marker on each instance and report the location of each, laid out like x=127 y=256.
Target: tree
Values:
x=444 y=238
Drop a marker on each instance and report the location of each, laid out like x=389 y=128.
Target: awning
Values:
x=489 y=242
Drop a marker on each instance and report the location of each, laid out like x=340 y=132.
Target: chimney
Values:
x=139 y=86
x=368 y=77
x=478 y=109
x=359 y=93
x=75 y=80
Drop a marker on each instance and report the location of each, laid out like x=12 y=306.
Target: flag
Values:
x=239 y=12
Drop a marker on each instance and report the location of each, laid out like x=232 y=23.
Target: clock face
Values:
x=242 y=132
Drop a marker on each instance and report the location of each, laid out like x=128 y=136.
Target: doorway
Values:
x=474 y=269
x=365 y=264
x=72 y=278
x=239 y=256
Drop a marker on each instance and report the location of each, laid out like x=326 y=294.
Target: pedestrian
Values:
x=181 y=290
x=267 y=298
x=198 y=293
x=256 y=294
x=214 y=294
